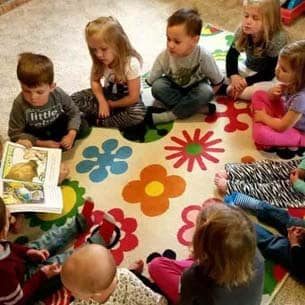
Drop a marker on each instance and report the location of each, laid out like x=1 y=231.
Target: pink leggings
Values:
x=264 y=135
x=167 y=273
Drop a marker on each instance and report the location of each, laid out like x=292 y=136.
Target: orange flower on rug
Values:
x=154 y=189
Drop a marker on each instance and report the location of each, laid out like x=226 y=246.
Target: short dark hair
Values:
x=189 y=17
x=34 y=70
x=2 y=214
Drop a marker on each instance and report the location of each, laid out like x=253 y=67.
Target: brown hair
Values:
x=34 y=70
x=271 y=20
x=2 y=214
x=224 y=244
x=110 y=31
x=294 y=53
x=190 y=18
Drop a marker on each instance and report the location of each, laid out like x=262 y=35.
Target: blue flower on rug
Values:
x=102 y=161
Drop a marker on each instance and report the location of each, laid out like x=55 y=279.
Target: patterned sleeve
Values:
x=142 y=295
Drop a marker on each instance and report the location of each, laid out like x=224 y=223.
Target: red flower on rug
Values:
x=154 y=189
x=232 y=113
x=127 y=226
x=193 y=149
x=189 y=215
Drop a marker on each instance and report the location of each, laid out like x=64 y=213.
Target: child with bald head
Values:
x=91 y=275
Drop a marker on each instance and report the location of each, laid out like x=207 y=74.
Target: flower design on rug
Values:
x=231 y=113
x=154 y=189
x=189 y=215
x=72 y=195
x=193 y=148
x=107 y=158
x=127 y=225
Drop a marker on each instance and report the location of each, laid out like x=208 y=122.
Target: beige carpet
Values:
x=55 y=28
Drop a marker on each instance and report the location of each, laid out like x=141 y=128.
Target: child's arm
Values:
x=16 y=293
x=17 y=124
x=97 y=89
x=73 y=113
x=278 y=124
x=133 y=96
x=157 y=69
x=133 y=76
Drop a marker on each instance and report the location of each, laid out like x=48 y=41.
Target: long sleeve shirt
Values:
x=14 y=290
x=24 y=117
x=264 y=64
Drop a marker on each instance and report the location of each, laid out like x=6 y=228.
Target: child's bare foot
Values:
x=63 y=172
x=222 y=174
x=137 y=266
x=221 y=184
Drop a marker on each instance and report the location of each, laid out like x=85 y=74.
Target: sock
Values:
x=242 y=200
x=209 y=108
x=163 y=117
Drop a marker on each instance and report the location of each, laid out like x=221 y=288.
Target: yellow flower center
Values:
x=69 y=199
x=154 y=188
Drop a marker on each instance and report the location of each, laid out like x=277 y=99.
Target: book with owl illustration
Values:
x=29 y=179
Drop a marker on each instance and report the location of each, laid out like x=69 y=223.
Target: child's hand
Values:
x=26 y=143
x=297 y=173
x=296 y=235
x=103 y=110
x=68 y=140
x=294 y=176
x=238 y=83
x=38 y=256
x=278 y=89
x=51 y=270
x=260 y=116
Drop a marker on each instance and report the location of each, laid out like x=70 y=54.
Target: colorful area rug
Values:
x=155 y=189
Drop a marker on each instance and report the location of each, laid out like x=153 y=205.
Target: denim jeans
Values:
x=54 y=240
x=275 y=247
x=183 y=102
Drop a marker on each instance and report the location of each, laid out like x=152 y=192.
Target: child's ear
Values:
x=53 y=86
x=196 y=39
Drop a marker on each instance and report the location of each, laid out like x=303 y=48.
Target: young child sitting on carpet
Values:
x=261 y=36
x=287 y=249
x=185 y=76
x=42 y=114
x=279 y=115
x=225 y=267
x=280 y=183
x=91 y=275
x=116 y=103
x=30 y=273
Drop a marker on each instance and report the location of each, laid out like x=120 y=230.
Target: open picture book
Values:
x=29 y=179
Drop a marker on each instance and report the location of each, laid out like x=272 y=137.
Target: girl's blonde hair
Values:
x=271 y=23
x=110 y=31
x=224 y=244
x=294 y=53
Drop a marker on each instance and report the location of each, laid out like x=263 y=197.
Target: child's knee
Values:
x=159 y=87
